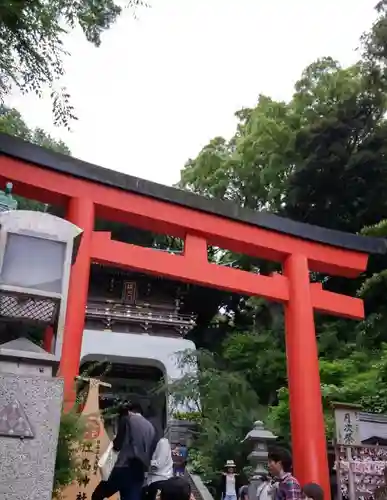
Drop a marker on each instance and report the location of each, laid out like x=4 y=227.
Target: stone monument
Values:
x=30 y=409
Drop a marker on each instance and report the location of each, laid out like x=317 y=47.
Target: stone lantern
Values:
x=260 y=438
x=36 y=253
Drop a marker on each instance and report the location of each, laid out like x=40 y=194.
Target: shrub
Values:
x=71 y=432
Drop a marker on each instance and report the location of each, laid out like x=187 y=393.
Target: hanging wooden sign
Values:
x=129 y=292
x=347 y=424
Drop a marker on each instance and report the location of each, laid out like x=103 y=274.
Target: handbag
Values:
x=107 y=461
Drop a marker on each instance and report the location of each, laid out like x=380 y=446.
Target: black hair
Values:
x=123 y=410
x=281 y=455
x=313 y=490
x=129 y=406
x=135 y=408
x=175 y=488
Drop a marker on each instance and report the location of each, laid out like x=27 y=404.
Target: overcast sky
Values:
x=160 y=87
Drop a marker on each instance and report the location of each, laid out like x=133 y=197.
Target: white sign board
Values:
x=347 y=427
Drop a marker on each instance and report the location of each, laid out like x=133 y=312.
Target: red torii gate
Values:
x=88 y=191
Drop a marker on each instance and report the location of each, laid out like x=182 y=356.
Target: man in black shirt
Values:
x=135 y=443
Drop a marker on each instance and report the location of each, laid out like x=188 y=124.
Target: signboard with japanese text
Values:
x=347 y=426
x=129 y=293
x=95 y=443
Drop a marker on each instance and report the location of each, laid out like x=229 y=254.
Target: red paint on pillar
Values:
x=306 y=412
x=48 y=338
x=81 y=213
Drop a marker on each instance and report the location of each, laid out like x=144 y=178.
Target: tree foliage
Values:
x=12 y=123
x=224 y=404
x=32 y=45
x=71 y=432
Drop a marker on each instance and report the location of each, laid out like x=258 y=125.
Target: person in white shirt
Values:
x=161 y=469
x=230 y=482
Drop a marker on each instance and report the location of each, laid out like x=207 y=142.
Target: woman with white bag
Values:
x=107 y=462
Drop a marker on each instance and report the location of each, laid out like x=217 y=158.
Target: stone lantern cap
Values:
x=24 y=351
x=259 y=433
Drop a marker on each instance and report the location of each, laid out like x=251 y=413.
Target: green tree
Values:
x=373 y=290
x=250 y=168
x=360 y=378
x=227 y=405
x=32 y=48
x=12 y=123
x=260 y=356
x=253 y=168
x=348 y=146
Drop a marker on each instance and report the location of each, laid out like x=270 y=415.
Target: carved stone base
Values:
x=27 y=463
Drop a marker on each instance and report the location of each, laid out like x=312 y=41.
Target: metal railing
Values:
x=156 y=314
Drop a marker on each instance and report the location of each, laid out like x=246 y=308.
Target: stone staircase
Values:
x=180 y=431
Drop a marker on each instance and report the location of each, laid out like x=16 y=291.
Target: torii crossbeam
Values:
x=88 y=191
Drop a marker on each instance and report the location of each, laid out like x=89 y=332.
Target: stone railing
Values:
x=198 y=488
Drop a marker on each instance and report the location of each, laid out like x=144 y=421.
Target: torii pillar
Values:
x=306 y=411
